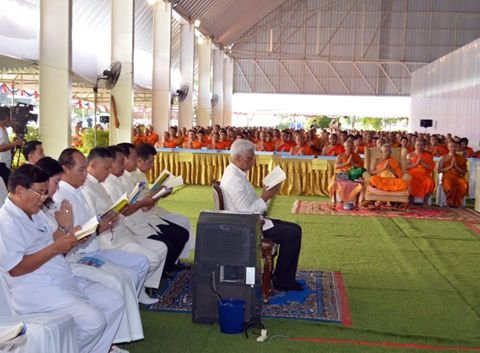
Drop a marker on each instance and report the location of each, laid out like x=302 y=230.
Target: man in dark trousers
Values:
x=239 y=195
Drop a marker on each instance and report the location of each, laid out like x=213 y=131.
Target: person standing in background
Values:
x=5 y=145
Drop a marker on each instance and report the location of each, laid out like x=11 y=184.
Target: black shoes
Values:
x=297 y=286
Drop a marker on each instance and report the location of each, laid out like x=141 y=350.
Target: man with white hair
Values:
x=239 y=195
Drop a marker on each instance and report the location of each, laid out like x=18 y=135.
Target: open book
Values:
x=117 y=205
x=137 y=190
x=275 y=177
x=164 y=175
x=168 y=181
x=9 y=332
x=87 y=228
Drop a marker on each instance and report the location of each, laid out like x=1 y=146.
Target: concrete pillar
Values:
x=187 y=42
x=161 y=96
x=204 y=81
x=55 y=80
x=123 y=13
x=217 y=97
x=227 y=90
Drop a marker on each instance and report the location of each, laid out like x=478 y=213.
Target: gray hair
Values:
x=241 y=147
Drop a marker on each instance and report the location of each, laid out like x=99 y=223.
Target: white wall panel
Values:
x=448 y=92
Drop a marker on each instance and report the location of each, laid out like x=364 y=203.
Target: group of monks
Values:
x=347 y=146
x=387 y=175
x=326 y=142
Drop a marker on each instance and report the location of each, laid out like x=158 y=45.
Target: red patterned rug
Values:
x=465 y=215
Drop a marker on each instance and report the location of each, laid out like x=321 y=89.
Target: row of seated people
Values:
x=385 y=173
x=302 y=142
x=100 y=279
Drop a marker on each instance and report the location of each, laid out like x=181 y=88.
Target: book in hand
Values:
x=9 y=332
x=162 y=193
x=164 y=175
x=275 y=177
x=87 y=228
x=137 y=190
x=117 y=206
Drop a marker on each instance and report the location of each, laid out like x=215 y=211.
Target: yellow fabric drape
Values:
x=304 y=176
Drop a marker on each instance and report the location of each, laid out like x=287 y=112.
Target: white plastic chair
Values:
x=53 y=333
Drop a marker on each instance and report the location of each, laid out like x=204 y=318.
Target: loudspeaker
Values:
x=227 y=259
x=426 y=123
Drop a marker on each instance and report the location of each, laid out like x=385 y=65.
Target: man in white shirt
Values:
x=120 y=236
x=175 y=229
x=36 y=271
x=131 y=269
x=239 y=195
x=5 y=145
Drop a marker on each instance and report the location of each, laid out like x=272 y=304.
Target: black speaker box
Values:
x=227 y=258
x=426 y=123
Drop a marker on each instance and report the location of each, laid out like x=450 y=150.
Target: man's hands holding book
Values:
x=108 y=221
x=268 y=193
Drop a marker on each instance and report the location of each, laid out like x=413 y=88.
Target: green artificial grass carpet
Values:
x=408 y=281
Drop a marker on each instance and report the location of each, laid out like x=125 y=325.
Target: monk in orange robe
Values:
x=301 y=148
x=467 y=151
x=265 y=143
x=286 y=143
x=168 y=142
x=420 y=166
x=387 y=173
x=454 y=167
x=436 y=148
x=333 y=148
x=349 y=191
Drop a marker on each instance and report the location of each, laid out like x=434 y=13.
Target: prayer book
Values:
x=275 y=177
x=164 y=175
x=163 y=192
x=91 y=261
x=137 y=190
x=11 y=331
x=87 y=228
x=117 y=205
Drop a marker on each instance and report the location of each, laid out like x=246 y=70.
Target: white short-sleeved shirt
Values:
x=81 y=214
x=20 y=235
x=5 y=156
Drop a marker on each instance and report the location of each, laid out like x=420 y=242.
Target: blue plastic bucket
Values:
x=230 y=315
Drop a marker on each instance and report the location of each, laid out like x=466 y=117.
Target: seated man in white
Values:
x=168 y=223
x=40 y=279
x=130 y=268
x=120 y=236
x=110 y=275
x=239 y=195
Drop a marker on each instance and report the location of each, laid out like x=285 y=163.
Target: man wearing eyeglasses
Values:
x=41 y=280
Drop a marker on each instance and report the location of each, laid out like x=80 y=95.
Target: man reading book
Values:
x=32 y=255
x=240 y=196
x=138 y=162
x=120 y=237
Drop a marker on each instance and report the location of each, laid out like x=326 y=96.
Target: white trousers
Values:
x=98 y=319
x=126 y=281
